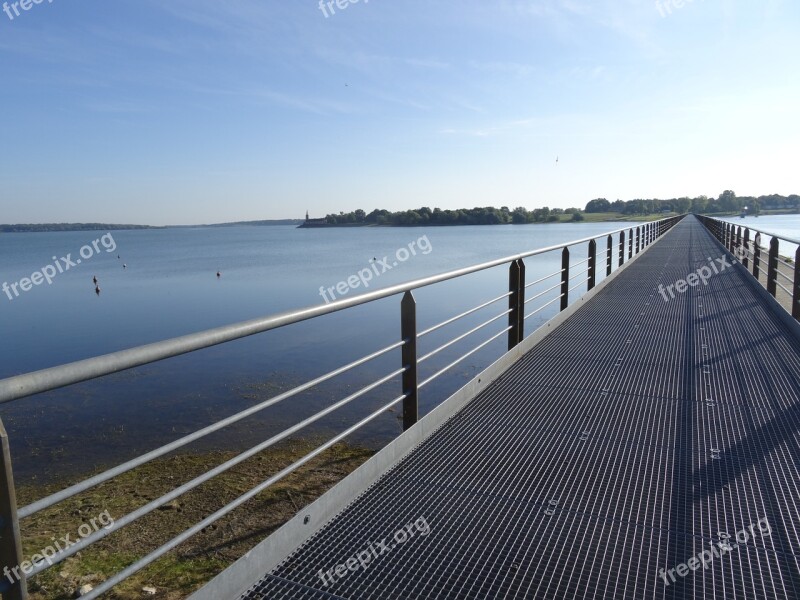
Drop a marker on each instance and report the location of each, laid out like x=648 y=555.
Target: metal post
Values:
x=621 y=248
x=739 y=237
x=609 y=254
x=746 y=253
x=565 y=278
x=630 y=245
x=796 y=296
x=521 y=301
x=638 y=238
x=10 y=539
x=408 y=333
x=772 y=271
x=516 y=302
x=756 y=255
x=592 y=264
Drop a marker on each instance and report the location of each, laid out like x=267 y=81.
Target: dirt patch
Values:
x=193 y=563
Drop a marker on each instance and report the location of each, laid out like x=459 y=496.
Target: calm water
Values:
x=170 y=288
x=785 y=225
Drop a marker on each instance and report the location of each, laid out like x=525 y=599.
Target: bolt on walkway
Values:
x=622 y=457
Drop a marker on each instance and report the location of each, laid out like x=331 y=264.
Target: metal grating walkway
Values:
x=631 y=439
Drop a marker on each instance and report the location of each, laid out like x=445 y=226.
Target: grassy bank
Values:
x=197 y=560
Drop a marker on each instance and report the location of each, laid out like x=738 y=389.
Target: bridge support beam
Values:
x=10 y=540
x=516 y=303
x=565 y=279
x=772 y=269
x=796 y=295
x=408 y=333
x=746 y=253
x=592 y=265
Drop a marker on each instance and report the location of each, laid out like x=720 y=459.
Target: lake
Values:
x=170 y=288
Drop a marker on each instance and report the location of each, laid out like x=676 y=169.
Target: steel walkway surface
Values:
x=619 y=458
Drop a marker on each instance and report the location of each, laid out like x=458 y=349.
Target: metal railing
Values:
x=749 y=246
x=22 y=386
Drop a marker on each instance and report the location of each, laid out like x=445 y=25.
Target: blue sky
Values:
x=194 y=111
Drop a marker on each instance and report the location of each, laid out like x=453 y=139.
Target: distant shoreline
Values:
x=61 y=227
x=588 y=218
x=567 y=218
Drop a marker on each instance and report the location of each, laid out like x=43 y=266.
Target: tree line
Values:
x=487 y=215
x=727 y=202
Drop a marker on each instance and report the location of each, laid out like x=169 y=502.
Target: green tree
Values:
x=598 y=205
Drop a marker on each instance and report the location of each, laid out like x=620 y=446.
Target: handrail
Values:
x=738 y=238
x=22 y=386
x=761 y=231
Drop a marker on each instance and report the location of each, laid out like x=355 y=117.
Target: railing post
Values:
x=609 y=255
x=756 y=255
x=10 y=539
x=516 y=302
x=796 y=295
x=630 y=244
x=638 y=238
x=565 y=278
x=746 y=253
x=621 y=248
x=772 y=271
x=408 y=333
x=592 y=264
x=739 y=238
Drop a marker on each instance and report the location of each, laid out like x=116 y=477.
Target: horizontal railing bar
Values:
x=471 y=352
x=776 y=282
x=543 y=306
x=201 y=479
x=559 y=272
x=580 y=284
x=785 y=276
x=21 y=386
x=579 y=263
x=785 y=263
x=177 y=541
x=73 y=490
x=579 y=274
x=532 y=298
x=464 y=314
x=462 y=336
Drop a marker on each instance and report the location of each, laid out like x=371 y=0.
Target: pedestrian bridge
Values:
x=644 y=443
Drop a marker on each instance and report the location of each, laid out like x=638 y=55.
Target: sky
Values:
x=191 y=111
